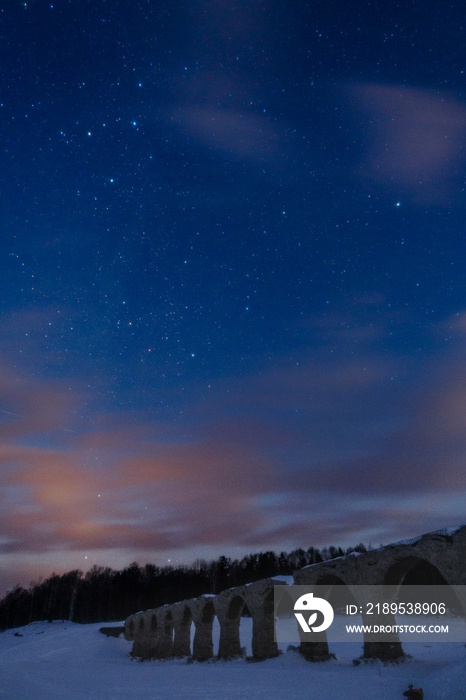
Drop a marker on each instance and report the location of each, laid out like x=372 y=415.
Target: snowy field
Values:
x=67 y=661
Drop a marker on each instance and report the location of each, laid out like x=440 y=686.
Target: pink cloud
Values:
x=317 y=451
x=216 y=100
x=238 y=132
x=415 y=138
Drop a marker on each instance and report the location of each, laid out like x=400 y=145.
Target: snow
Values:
x=67 y=661
x=445 y=532
x=289 y=580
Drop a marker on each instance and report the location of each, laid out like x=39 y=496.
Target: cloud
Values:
x=416 y=139
x=234 y=131
x=334 y=447
x=215 y=100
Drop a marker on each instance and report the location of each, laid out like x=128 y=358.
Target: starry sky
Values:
x=232 y=274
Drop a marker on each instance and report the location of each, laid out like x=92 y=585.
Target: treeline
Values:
x=105 y=595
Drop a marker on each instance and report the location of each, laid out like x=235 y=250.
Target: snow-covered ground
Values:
x=66 y=661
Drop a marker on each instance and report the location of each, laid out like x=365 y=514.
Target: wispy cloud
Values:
x=414 y=139
x=336 y=446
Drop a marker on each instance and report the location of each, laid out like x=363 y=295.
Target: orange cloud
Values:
x=313 y=452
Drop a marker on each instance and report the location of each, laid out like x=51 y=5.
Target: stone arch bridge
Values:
x=166 y=631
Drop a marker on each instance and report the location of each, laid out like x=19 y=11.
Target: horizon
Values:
x=233 y=306
x=175 y=565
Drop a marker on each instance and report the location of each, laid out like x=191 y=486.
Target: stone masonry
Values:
x=165 y=632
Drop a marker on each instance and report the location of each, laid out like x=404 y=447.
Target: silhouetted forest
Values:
x=104 y=595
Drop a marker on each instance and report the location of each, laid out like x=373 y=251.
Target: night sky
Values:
x=232 y=274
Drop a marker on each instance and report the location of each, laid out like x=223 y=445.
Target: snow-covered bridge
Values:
x=166 y=631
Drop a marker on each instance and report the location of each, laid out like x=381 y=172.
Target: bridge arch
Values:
x=262 y=606
x=164 y=643
x=203 y=615
x=413 y=569
x=436 y=557
x=337 y=592
x=229 y=617
x=182 y=623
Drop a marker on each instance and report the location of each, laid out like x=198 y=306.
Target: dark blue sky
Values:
x=232 y=277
